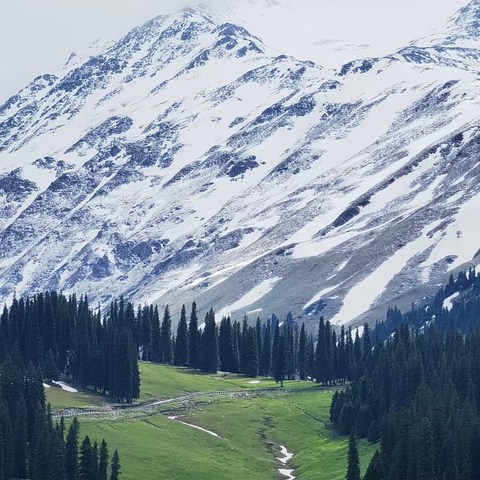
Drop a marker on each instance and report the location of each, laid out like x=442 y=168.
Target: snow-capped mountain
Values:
x=191 y=161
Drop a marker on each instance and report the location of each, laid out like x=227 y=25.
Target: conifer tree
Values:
x=166 y=337
x=115 y=467
x=375 y=470
x=193 y=338
x=210 y=344
x=157 y=352
x=321 y=354
x=266 y=357
x=425 y=452
x=302 y=354
x=71 y=454
x=103 y=461
x=86 y=467
x=181 y=341
x=353 y=470
x=252 y=353
x=20 y=441
x=225 y=346
x=244 y=346
x=278 y=357
x=95 y=459
x=311 y=358
x=236 y=347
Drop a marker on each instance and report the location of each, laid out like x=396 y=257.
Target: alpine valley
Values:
x=192 y=161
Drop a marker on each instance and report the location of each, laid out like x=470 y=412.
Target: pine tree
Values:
x=50 y=370
x=103 y=461
x=116 y=467
x=210 y=344
x=225 y=346
x=57 y=457
x=236 y=347
x=353 y=471
x=424 y=452
x=157 y=354
x=71 y=454
x=278 y=357
x=95 y=459
x=146 y=332
x=181 y=342
x=193 y=337
x=376 y=470
x=166 y=337
x=266 y=358
x=252 y=353
x=302 y=354
x=244 y=346
x=321 y=354
x=20 y=441
x=86 y=467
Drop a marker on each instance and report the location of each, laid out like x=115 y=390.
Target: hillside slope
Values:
x=190 y=161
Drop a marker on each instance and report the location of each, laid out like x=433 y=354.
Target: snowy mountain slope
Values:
x=190 y=161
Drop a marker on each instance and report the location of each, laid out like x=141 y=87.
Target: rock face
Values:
x=189 y=161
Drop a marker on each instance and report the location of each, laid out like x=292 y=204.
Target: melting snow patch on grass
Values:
x=287 y=456
x=66 y=387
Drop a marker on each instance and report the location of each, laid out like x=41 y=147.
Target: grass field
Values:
x=250 y=430
x=160 y=381
x=59 y=399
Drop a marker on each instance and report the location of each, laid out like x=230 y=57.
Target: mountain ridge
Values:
x=193 y=162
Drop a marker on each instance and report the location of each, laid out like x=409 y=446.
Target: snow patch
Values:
x=287 y=456
x=448 y=302
x=175 y=419
x=251 y=297
x=65 y=387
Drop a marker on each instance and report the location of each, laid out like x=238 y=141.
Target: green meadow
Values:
x=250 y=429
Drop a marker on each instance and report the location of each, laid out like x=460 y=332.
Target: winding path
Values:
x=117 y=411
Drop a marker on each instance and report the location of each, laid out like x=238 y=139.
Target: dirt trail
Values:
x=117 y=412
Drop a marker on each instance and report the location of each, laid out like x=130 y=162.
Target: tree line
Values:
x=31 y=445
x=280 y=349
x=419 y=394
x=64 y=336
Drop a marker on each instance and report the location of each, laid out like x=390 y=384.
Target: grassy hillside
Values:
x=250 y=430
x=161 y=381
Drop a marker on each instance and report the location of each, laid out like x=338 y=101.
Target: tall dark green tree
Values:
x=86 y=464
x=166 y=337
x=266 y=356
x=21 y=439
x=353 y=470
x=225 y=346
x=193 y=338
x=115 y=467
x=279 y=357
x=252 y=353
x=210 y=344
x=302 y=354
x=103 y=461
x=181 y=341
x=71 y=454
